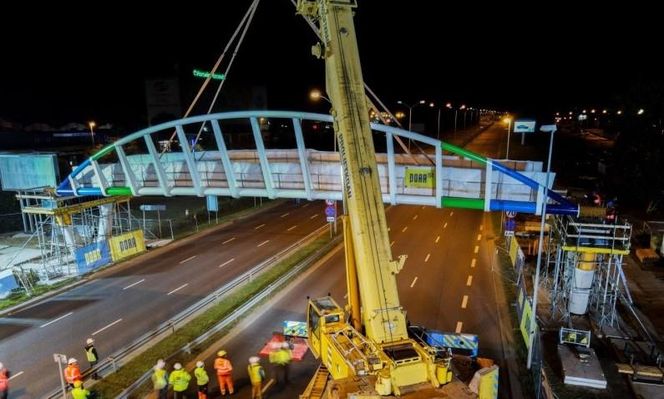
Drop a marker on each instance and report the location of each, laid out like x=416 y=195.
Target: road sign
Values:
x=60 y=358
x=510 y=214
x=331 y=210
x=524 y=127
x=147 y=207
x=329 y=202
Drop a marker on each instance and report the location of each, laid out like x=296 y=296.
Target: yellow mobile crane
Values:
x=374 y=355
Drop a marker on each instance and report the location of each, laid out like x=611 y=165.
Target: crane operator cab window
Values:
x=323 y=313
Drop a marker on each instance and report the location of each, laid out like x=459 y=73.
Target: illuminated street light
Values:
x=640 y=111
x=410 y=115
x=316 y=95
x=92 y=125
x=508 y=120
x=619 y=112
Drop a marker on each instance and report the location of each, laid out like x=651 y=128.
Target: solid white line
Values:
x=263 y=243
x=131 y=285
x=469 y=282
x=291 y=228
x=479 y=237
x=315 y=215
x=427 y=258
x=229 y=240
x=15 y=375
x=258 y=227
x=413 y=283
x=473 y=262
x=458 y=327
x=188 y=259
x=464 y=302
x=392 y=243
x=481 y=227
x=437 y=239
x=110 y=325
x=284 y=215
x=227 y=262
x=445 y=226
x=477 y=249
x=404 y=229
x=414 y=217
x=178 y=289
x=58 y=319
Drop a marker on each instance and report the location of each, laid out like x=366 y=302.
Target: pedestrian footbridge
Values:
x=225 y=154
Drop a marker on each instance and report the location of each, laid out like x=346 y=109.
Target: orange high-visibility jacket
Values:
x=223 y=366
x=72 y=373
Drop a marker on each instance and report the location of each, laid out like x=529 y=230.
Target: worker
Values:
x=224 y=373
x=4 y=382
x=93 y=357
x=256 y=376
x=202 y=380
x=160 y=380
x=72 y=372
x=179 y=379
x=280 y=359
x=79 y=392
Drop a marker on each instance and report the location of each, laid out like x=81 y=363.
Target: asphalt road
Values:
x=120 y=306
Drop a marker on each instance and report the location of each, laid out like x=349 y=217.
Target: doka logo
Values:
x=128 y=244
x=92 y=256
x=419 y=178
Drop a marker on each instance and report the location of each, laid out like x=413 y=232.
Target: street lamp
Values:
x=508 y=120
x=316 y=95
x=410 y=115
x=92 y=125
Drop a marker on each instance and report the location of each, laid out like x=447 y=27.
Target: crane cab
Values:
x=324 y=315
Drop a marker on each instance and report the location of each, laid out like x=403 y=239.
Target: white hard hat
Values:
x=2 y=366
x=72 y=360
x=177 y=366
x=254 y=359
x=160 y=364
x=89 y=341
x=199 y=364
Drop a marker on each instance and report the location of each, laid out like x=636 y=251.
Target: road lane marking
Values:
x=227 y=262
x=284 y=215
x=305 y=205
x=188 y=259
x=227 y=241
x=345 y=295
x=464 y=302
x=58 y=319
x=473 y=262
x=178 y=289
x=469 y=282
x=392 y=243
x=413 y=283
x=481 y=227
x=445 y=225
x=315 y=215
x=427 y=258
x=477 y=249
x=16 y=375
x=108 y=326
x=437 y=239
x=291 y=228
x=268 y=385
x=458 y=327
x=452 y=213
x=479 y=237
x=131 y=285
x=404 y=229
x=258 y=227
x=422 y=207
x=414 y=217
x=263 y=243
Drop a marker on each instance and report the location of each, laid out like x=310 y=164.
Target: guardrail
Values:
x=112 y=363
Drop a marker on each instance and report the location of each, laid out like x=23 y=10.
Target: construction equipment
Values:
x=372 y=355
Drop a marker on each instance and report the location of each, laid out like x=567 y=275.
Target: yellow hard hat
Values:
x=221 y=353
x=78 y=384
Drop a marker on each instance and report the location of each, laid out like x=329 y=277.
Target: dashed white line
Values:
x=58 y=319
x=15 y=375
x=458 y=327
x=415 y=217
x=178 y=289
x=477 y=249
x=131 y=285
x=229 y=240
x=437 y=239
x=315 y=215
x=227 y=262
x=413 y=283
x=188 y=259
x=305 y=205
x=345 y=295
x=452 y=213
x=392 y=243
x=473 y=262
x=469 y=281
x=464 y=302
x=404 y=229
x=427 y=258
x=108 y=326
x=284 y=215
x=258 y=227
x=291 y=228
x=479 y=237
x=481 y=227
x=263 y=243
x=445 y=225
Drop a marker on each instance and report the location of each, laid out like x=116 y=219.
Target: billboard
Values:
x=92 y=256
x=524 y=127
x=126 y=244
x=27 y=171
x=7 y=283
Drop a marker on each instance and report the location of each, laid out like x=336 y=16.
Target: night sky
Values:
x=62 y=64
